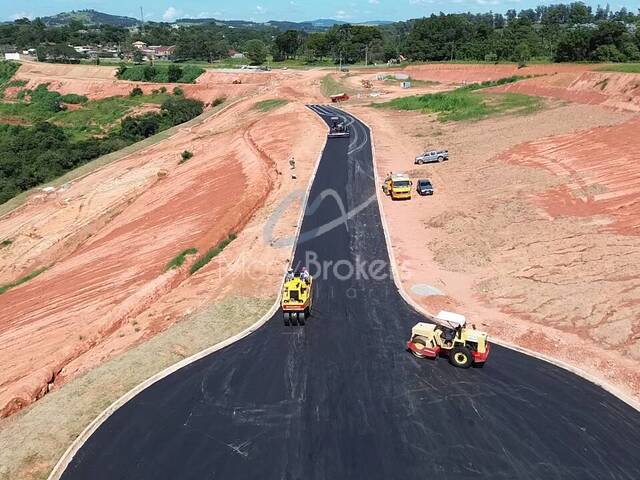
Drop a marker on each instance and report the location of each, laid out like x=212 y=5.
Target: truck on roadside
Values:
x=432 y=156
x=397 y=186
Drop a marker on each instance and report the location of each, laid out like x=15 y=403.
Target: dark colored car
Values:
x=424 y=187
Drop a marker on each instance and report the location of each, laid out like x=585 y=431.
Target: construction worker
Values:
x=289 y=276
x=304 y=274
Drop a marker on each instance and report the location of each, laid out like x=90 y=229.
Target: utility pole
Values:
x=141 y=20
x=366 y=55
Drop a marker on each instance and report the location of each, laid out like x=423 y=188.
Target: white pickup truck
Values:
x=431 y=156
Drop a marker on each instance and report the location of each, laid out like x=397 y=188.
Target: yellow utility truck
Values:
x=450 y=337
x=398 y=186
x=297 y=297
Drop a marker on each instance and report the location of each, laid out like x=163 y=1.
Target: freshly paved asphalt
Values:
x=341 y=398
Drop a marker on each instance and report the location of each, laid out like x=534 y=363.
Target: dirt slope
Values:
x=108 y=236
x=532 y=231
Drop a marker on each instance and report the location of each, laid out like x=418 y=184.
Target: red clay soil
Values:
x=109 y=235
x=617 y=90
x=100 y=82
x=464 y=73
x=601 y=165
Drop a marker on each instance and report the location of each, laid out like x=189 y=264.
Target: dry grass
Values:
x=32 y=441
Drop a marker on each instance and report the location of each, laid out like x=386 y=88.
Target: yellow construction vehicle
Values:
x=450 y=337
x=297 y=297
x=398 y=186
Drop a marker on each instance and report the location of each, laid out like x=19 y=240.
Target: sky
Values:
x=264 y=10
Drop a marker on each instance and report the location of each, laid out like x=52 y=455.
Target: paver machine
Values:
x=297 y=297
x=337 y=128
x=450 y=337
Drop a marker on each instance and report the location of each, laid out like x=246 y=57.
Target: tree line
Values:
x=32 y=155
x=571 y=32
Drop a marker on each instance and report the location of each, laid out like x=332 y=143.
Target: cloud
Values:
x=342 y=15
x=260 y=10
x=19 y=15
x=170 y=14
x=374 y=2
x=421 y=2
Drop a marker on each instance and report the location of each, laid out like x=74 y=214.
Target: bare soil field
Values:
x=97 y=82
x=107 y=237
x=470 y=73
x=533 y=230
x=533 y=233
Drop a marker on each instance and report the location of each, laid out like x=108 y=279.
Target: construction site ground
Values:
x=533 y=233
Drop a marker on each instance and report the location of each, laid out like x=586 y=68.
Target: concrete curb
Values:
x=612 y=389
x=77 y=444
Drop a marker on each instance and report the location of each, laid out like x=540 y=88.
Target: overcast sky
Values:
x=264 y=10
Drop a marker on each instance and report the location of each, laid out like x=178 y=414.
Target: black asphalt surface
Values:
x=341 y=398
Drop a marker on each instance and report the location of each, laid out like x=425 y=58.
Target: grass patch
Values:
x=21 y=280
x=16 y=83
x=466 y=104
x=74 y=98
x=267 y=105
x=218 y=101
x=184 y=156
x=621 y=68
x=330 y=86
x=179 y=259
x=211 y=254
x=95 y=117
x=7 y=70
x=160 y=73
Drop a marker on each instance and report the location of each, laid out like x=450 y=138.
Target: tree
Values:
x=287 y=44
x=180 y=109
x=149 y=73
x=256 y=52
x=137 y=56
x=608 y=53
x=174 y=72
x=574 y=45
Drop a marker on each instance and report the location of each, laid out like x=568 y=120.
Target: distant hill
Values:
x=90 y=18
x=93 y=17
x=310 y=26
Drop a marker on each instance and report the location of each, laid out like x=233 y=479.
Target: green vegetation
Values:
x=21 y=280
x=59 y=140
x=179 y=259
x=171 y=73
x=622 y=68
x=17 y=83
x=267 y=105
x=211 y=253
x=330 y=86
x=74 y=98
x=7 y=70
x=136 y=92
x=186 y=155
x=218 y=101
x=467 y=104
x=559 y=32
x=5 y=243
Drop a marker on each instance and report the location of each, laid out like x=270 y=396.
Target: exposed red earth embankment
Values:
x=616 y=90
x=533 y=228
x=466 y=73
x=108 y=236
x=602 y=172
x=97 y=82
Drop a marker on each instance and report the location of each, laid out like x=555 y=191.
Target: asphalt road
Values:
x=341 y=398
